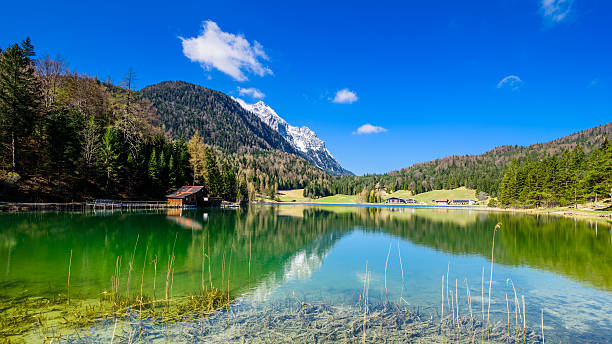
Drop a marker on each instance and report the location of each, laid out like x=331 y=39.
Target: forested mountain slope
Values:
x=185 y=108
x=482 y=172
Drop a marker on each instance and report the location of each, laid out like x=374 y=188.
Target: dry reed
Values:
x=508 y=313
x=386 y=264
x=491 y=277
x=457 y=302
x=69 y=268
x=365 y=302
x=469 y=297
x=524 y=319
x=542 y=326
x=131 y=265
x=442 y=316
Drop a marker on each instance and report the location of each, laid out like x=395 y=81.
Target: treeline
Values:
x=418 y=179
x=573 y=177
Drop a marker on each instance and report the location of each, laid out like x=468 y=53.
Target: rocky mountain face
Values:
x=303 y=139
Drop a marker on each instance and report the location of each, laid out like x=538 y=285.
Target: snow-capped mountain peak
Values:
x=302 y=138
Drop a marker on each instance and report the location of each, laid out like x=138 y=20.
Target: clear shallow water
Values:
x=319 y=254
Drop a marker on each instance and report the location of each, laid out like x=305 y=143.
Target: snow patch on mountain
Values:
x=302 y=138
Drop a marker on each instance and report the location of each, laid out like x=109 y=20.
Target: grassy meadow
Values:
x=296 y=196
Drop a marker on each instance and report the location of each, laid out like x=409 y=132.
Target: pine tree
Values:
x=172 y=173
x=18 y=94
x=599 y=176
x=212 y=174
x=153 y=168
x=108 y=154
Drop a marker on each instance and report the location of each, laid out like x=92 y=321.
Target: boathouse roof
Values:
x=185 y=191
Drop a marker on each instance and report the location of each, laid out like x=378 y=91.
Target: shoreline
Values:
x=602 y=215
x=580 y=214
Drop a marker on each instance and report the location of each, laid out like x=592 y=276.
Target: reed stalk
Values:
x=172 y=279
x=209 y=271
x=442 y=316
x=447 y=290
x=155 y=277
x=517 y=309
x=69 y=271
x=524 y=319
x=399 y=253
x=144 y=264
x=386 y=264
x=457 y=303
x=365 y=302
x=203 y=265
x=117 y=279
x=250 y=239
x=482 y=302
x=452 y=307
x=508 y=313
x=229 y=271
x=497 y=226
x=170 y=269
x=209 y=257
x=114 y=329
x=469 y=296
x=223 y=268
x=127 y=291
x=542 y=326
x=168 y=278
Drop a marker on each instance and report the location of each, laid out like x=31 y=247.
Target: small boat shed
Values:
x=187 y=196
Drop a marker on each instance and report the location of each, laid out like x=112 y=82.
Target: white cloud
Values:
x=512 y=82
x=251 y=91
x=345 y=96
x=556 y=10
x=231 y=54
x=369 y=129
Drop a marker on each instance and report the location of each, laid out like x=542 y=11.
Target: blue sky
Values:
x=431 y=78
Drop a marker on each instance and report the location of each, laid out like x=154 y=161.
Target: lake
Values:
x=308 y=273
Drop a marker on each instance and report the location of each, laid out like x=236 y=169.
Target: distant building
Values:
x=441 y=201
x=187 y=196
x=399 y=200
x=463 y=202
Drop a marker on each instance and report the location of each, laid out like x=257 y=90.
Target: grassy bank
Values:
x=583 y=211
x=296 y=195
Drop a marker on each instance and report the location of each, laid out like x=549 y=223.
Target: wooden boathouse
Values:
x=187 y=196
x=192 y=196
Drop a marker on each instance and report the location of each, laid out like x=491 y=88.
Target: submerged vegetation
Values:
x=25 y=316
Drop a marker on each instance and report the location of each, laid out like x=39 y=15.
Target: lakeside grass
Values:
x=296 y=195
x=584 y=211
x=427 y=197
